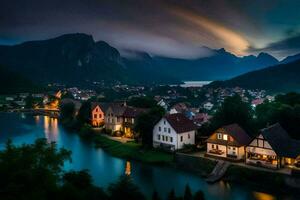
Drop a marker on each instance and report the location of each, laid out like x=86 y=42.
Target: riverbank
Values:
x=132 y=151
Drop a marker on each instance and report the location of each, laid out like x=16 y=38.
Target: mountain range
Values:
x=280 y=78
x=78 y=59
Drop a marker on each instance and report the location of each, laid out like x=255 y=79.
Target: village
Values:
x=179 y=129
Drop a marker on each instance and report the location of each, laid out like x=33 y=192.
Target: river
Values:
x=106 y=169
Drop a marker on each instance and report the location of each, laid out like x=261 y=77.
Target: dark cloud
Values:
x=286 y=46
x=174 y=28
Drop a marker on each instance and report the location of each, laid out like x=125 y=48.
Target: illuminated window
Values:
x=225 y=137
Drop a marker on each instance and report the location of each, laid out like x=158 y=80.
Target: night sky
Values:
x=174 y=28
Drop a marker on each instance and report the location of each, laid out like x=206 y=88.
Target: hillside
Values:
x=70 y=59
x=220 y=65
x=280 y=78
x=11 y=82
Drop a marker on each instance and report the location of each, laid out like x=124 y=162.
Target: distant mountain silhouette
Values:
x=221 y=65
x=280 y=78
x=290 y=59
x=78 y=59
x=71 y=59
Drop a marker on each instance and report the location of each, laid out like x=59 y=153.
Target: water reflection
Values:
x=50 y=128
x=128 y=168
x=263 y=196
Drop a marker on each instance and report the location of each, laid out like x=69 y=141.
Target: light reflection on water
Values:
x=106 y=169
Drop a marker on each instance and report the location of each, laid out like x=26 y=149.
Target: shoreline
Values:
x=264 y=180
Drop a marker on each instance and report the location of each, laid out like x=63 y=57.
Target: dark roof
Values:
x=117 y=109
x=180 y=123
x=238 y=134
x=133 y=112
x=103 y=106
x=281 y=142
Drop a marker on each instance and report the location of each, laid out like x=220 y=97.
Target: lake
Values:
x=106 y=169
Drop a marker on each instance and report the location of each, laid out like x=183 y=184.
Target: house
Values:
x=256 y=102
x=119 y=117
x=228 y=142
x=208 y=106
x=201 y=118
x=163 y=104
x=174 y=131
x=98 y=113
x=273 y=148
x=114 y=117
x=178 y=108
x=129 y=118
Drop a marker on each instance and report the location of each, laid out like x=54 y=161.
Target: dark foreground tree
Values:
x=79 y=186
x=124 y=188
x=187 y=193
x=155 y=196
x=171 y=195
x=199 y=195
x=31 y=171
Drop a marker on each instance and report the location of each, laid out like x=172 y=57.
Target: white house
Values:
x=163 y=104
x=174 y=131
x=208 y=106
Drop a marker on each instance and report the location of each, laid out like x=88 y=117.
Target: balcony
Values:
x=216 y=152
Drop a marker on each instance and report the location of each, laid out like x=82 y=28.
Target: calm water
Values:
x=106 y=169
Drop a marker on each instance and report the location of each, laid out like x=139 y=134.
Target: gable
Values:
x=260 y=142
x=99 y=109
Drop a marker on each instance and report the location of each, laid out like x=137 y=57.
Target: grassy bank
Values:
x=133 y=151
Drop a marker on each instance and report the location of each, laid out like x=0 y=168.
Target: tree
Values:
x=31 y=171
x=291 y=98
x=288 y=116
x=67 y=111
x=171 y=195
x=187 y=193
x=84 y=113
x=145 y=123
x=155 y=195
x=142 y=102
x=29 y=102
x=233 y=110
x=78 y=186
x=124 y=188
x=199 y=195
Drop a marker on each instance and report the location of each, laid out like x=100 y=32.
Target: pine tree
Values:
x=155 y=196
x=171 y=195
x=187 y=193
x=199 y=195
